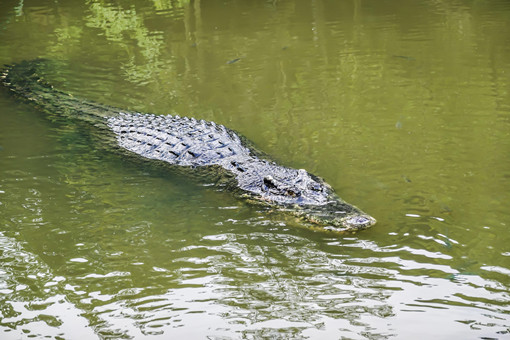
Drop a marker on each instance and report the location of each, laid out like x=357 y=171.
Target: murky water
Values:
x=402 y=106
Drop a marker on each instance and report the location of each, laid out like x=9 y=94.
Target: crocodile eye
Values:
x=292 y=193
x=314 y=187
x=269 y=182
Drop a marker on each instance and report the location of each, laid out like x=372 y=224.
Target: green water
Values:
x=402 y=106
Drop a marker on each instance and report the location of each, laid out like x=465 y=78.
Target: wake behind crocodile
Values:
x=187 y=142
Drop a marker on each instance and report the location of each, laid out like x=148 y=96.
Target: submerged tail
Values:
x=27 y=81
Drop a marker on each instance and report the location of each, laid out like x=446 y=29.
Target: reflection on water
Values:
x=401 y=106
x=32 y=303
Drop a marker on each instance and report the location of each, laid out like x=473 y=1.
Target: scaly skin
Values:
x=186 y=142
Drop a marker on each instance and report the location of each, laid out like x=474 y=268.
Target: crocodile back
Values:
x=177 y=140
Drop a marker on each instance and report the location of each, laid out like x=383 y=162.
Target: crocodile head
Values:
x=310 y=198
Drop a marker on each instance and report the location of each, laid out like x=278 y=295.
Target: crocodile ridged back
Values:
x=177 y=140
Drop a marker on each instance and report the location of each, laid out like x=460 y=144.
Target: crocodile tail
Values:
x=26 y=80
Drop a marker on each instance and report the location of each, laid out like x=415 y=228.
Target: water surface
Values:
x=403 y=107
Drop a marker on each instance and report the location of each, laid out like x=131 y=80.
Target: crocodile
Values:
x=196 y=144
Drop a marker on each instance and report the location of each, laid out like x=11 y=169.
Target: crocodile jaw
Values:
x=353 y=223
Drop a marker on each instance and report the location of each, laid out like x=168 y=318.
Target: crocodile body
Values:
x=191 y=143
